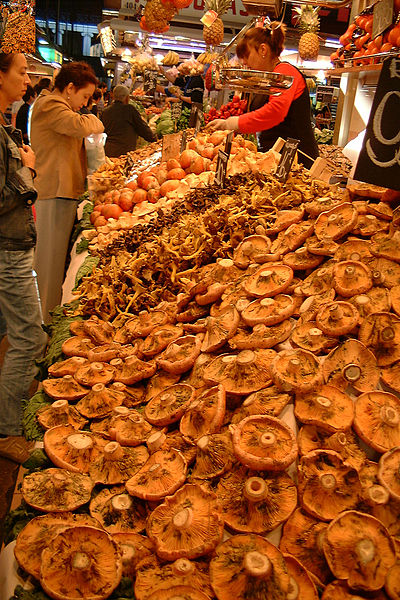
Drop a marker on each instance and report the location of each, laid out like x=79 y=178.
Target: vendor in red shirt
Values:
x=286 y=115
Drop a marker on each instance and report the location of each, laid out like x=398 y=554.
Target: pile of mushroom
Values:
x=243 y=439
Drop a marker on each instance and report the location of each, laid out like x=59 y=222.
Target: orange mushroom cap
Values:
x=336 y=222
x=159 y=339
x=71 y=449
x=251 y=250
x=380 y=331
x=389 y=472
x=377 y=420
x=162 y=474
x=180 y=355
x=134 y=548
x=326 y=407
x=205 y=415
x=56 y=490
x=117 y=511
x=67 y=367
x=77 y=346
x=269 y=280
x=60 y=413
x=241 y=374
x=351 y=277
x=268 y=401
x=301 y=585
x=351 y=363
x=99 y=401
x=95 y=372
x=64 y=388
x=117 y=464
x=169 y=405
x=269 y=311
x=297 y=370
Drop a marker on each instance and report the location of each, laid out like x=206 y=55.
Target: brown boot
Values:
x=16 y=448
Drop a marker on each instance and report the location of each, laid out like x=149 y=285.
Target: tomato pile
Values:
x=357 y=41
x=234 y=108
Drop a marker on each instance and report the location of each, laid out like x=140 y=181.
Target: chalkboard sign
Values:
x=228 y=142
x=220 y=172
x=288 y=153
x=383 y=17
x=379 y=160
x=150 y=82
x=183 y=140
x=170 y=146
x=195 y=116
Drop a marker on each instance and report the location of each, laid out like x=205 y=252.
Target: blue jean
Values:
x=20 y=307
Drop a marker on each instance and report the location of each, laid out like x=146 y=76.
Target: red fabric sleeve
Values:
x=274 y=111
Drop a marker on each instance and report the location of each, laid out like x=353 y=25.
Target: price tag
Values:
x=287 y=156
x=379 y=159
x=170 y=146
x=183 y=140
x=321 y=170
x=222 y=164
x=228 y=142
x=209 y=17
x=195 y=116
x=383 y=17
x=176 y=109
x=150 y=82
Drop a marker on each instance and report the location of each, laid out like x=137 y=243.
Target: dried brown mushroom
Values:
x=56 y=490
x=269 y=401
x=255 y=502
x=359 y=549
x=243 y=373
x=327 y=407
x=269 y=280
x=296 y=370
x=220 y=329
x=337 y=318
x=64 y=388
x=187 y=524
x=117 y=464
x=327 y=485
x=117 y=511
x=336 y=222
x=377 y=420
x=214 y=456
x=302 y=537
x=71 y=449
x=99 y=402
x=60 y=413
x=248 y=566
x=351 y=363
x=180 y=355
x=162 y=474
x=84 y=559
x=269 y=311
x=351 y=277
x=134 y=548
x=389 y=472
x=37 y=533
x=95 y=372
x=152 y=575
x=169 y=406
x=205 y=415
x=380 y=331
x=67 y=367
x=264 y=443
x=301 y=585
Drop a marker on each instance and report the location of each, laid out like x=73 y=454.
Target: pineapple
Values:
x=214 y=35
x=308 y=24
x=157 y=14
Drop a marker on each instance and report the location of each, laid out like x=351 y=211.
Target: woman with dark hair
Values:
x=286 y=115
x=57 y=135
x=21 y=122
x=19 y=303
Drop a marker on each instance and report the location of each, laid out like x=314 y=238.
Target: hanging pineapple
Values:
x=308 y=22
x=214 y=34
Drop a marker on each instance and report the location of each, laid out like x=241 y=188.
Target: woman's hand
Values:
x=230 y=124
x=28 y=156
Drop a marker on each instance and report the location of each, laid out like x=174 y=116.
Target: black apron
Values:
x=296 y=124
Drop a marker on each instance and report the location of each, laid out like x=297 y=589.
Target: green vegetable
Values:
x=31 y=427
x=37 y=460
x=123 y=592
x=58 y=331
x=82 y=245
x=183 y=121
x=35 y=594
x=16 y=520
x=86 y=268
x=165 y=124
x=84 y=222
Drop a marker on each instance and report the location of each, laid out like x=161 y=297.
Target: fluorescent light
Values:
x=43 y=42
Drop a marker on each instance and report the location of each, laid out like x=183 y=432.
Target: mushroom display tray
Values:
x=260 y=82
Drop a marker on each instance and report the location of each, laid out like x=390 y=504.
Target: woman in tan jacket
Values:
x=57 y=137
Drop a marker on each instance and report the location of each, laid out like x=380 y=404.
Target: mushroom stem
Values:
x=80 y=441
x=183 y=519
x=378 y=494
x=113 y=451
x=257 y=564
x=182 y=566
x=80 y=561
x=267 y=302
x=255 y=489
x=121 y=502
x=377 y=277
x=335 y=313
x=386 y=336
x=351 y=372
x=265 y=275
x=59 y=480
x=293 y=591
x=245 y=357
x=203 y=442
x=349 y=272
x=267 y=439
x=128 y=553
x=97 y=366
x=60 y=406
x=355 y=256
x=315 y=334
x=155 y=441
x=365 y=550
x=98 y=387
x=328 y=481
x=389 y=415
x=322 y=401
x=136 y=418
x=293 y=365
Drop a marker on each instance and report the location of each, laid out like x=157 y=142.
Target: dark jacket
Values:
x=123 y=124
x=22 y=120
x=194 y=89
x=17 y=194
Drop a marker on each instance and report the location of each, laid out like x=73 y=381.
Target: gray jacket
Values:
x=17 y=194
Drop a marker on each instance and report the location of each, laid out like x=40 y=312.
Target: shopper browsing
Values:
x=286 y=115
x=123 y=124
x=23 y=113
x=19 y=302
x=57 y=134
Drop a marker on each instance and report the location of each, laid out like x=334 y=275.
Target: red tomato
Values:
x=386 y=47
x=378 y=41
x=393 y=35
x=368 y=26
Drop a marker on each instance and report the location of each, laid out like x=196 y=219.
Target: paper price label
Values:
x=287 y=156
x=209 y=17
x=222 y=164
x=170 y=146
